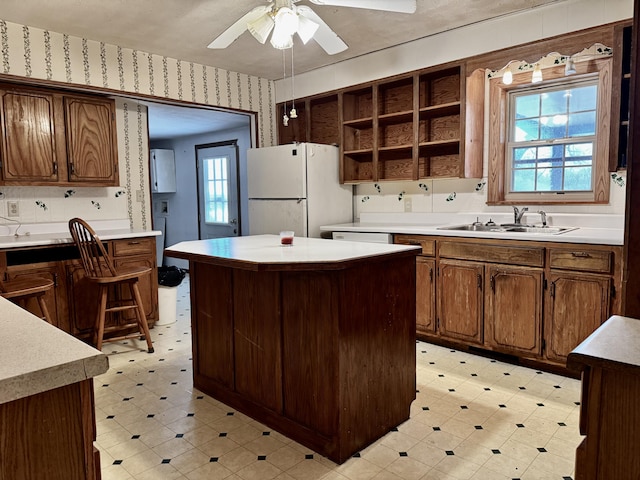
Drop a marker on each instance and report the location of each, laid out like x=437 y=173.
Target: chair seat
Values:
x=23 y=287
x=123 y=274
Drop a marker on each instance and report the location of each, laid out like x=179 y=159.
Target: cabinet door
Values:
x=91 y=140
x=53 y=298
x=513 y=317
x=460 y=302
x=577 y=305
x=425 y=295
x=29 y=147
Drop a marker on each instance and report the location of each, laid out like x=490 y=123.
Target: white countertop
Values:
x=39 y=234
x=36 y=357
x=591 y=229
x=266 y=249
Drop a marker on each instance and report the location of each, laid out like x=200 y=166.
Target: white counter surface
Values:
x=592 y=229
x=266 y=249
x=34 y=235
x=36 y=357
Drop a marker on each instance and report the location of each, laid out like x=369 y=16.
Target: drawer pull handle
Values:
x=414 y=242
x=134 y=243
x=580 y=255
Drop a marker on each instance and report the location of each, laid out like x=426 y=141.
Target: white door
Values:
x=217 y=166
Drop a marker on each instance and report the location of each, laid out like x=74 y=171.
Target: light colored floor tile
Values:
x=466 y=406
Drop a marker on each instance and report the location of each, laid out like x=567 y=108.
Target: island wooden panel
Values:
x=325 y=356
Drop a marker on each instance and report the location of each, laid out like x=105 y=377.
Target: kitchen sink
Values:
x=510 y=228
x=476 y=228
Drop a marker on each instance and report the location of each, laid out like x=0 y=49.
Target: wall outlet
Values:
x=12 y=209
x=139 y=196
x=407 y=205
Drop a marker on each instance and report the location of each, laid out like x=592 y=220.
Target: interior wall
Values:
x=31 y=53
x=182 y=206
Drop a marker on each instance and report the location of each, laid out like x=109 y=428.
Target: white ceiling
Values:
x=182 y=29
x=169 y=121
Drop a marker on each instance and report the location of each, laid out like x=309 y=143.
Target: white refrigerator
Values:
x=296 y=187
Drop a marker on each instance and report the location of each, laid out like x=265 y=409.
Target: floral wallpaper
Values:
x=29 y=52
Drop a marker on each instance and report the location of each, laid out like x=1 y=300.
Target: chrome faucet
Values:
x=543 y=214
x=518 y=214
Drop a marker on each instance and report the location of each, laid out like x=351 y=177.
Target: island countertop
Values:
x=36 y=357
x=264 y=252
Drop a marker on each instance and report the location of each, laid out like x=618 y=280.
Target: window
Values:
x=551 y=138
x=552 y=145
x=216 y=191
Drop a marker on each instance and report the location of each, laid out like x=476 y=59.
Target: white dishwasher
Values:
x=369 y=237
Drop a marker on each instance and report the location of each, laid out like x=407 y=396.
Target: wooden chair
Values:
x=100 y=269
x=22 y=289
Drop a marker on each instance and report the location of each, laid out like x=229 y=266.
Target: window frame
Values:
x=498 y=177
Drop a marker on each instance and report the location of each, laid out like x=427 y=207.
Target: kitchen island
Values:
x=315 y=340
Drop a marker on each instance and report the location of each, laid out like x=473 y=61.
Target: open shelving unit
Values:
x=406 y=127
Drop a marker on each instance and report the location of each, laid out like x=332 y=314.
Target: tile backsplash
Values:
x=460 y=196
x=59 y=204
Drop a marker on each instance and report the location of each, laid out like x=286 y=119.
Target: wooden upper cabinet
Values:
x=91 y=140
x=50 y=138
x=31 y=146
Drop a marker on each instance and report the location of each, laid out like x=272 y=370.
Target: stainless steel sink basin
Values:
x=475 y=228
x=547 y=230
x=510 y=228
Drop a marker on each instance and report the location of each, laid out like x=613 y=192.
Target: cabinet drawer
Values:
x=133 y=246
x=583 y=260
x=529 y=256
x=428 y=245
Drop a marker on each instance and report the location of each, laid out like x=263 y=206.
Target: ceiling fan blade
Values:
x=400 y=6
x=227 y=37
x=324 y=36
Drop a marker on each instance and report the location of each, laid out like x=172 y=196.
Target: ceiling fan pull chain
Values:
x=285 y=118
x=293 y=113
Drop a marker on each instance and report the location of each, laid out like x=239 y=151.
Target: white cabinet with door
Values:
x=163 y=171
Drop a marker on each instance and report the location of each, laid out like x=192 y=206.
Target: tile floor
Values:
x=473 y=418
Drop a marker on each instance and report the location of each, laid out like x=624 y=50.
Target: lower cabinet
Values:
x=460 y=301
x=425 y=295
x=535 y=300
x=74 y=300
x=513 y=313
x=577 y=304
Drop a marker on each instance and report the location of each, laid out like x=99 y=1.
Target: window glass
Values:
x=552 y=136
x=216 y=194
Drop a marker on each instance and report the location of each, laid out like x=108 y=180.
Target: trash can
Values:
x=169 y=278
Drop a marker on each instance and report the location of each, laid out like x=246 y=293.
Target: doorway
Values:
x=218 y=189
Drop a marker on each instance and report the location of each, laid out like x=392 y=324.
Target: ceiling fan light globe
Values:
x=261 y=27
x=281 y=39
x=306 y=29
x=287 y=20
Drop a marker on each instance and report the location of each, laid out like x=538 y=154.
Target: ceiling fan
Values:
x=285 y=19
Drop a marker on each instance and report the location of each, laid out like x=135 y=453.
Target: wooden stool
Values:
x=100 y=269
x=22 y=289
